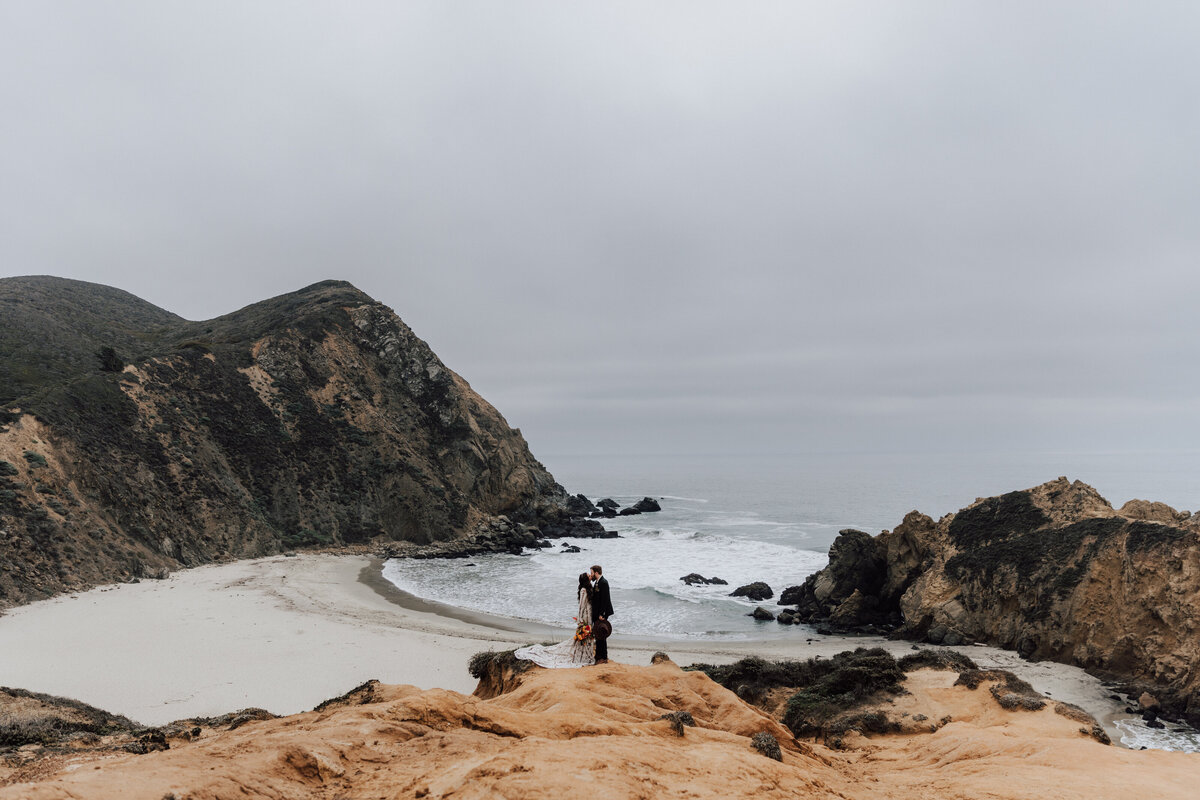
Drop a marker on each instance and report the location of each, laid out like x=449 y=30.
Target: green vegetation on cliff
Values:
x=312 y=419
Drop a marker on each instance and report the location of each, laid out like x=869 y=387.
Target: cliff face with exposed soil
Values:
x=315 y=418
x=1054 y=572
x=612 y=731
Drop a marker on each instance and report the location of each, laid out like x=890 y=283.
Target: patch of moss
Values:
x=1012 y=693
x=490 y=661
x=51 y=719
x=936 y=658
x=995 y=518
x=827 y=688
x=1057 y=557
x=1145 y=536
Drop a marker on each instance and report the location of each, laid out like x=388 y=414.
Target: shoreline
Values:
x=371 y=575
x=285 y=633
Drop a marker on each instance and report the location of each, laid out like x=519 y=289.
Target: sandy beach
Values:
x=286 y=633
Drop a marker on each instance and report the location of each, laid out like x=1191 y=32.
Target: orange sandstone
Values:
x=597 y=732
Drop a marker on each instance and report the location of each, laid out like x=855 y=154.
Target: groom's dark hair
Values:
x=596 y=569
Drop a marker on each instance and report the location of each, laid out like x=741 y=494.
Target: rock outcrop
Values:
x=757 y=591
x=696 y=579
x=647 y=505
x=1053 y=572
x=316 y=418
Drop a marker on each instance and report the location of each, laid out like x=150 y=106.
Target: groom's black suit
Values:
x=601 y=609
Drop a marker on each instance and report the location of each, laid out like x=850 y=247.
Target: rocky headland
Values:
x=863 y=726
x=134 y=442
x=1053 y=572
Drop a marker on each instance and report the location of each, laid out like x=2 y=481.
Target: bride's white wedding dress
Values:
x=565 y=654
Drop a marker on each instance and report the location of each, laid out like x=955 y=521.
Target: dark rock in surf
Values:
x=576 y=528
x=757 y=591
x=762 y=615
x=608 y=504
x=579 y=506
x=628 y=511
x=647 y=505
x=695 y=578
x=791 y=596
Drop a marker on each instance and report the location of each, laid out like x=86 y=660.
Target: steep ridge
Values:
x=317 y=418
x=612 y=731
x=51 y=329
x=1054 y=572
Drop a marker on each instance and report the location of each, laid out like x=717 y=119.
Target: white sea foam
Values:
x=643 y=566
x=1135 y=734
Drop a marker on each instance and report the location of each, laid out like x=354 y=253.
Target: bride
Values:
x=579 y=650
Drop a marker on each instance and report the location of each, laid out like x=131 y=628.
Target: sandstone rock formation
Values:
x=613 y=731
x=317 y=418
x=1053 y=572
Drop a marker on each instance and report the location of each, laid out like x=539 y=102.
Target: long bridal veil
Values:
x=570 y=653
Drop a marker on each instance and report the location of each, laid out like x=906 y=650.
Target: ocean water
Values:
x=643 y=568
x=1135 y=735
x=761 y=518
x=752 y=518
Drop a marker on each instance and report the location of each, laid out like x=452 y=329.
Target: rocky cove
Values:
x=317 y=421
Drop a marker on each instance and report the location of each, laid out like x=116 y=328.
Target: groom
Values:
x=601 y=609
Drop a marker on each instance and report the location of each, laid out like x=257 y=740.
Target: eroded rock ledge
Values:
x=623 y=732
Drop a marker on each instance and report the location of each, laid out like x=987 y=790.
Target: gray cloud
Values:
x=656 y=227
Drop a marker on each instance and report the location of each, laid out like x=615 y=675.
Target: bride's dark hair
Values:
x=585 y=583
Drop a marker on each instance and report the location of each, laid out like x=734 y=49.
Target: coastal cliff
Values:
x=613 y=731
x=1054 y=572
x=133 y=442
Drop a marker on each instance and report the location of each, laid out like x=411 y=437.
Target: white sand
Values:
x=286 y=633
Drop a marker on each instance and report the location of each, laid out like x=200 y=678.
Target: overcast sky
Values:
x=663 y=226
